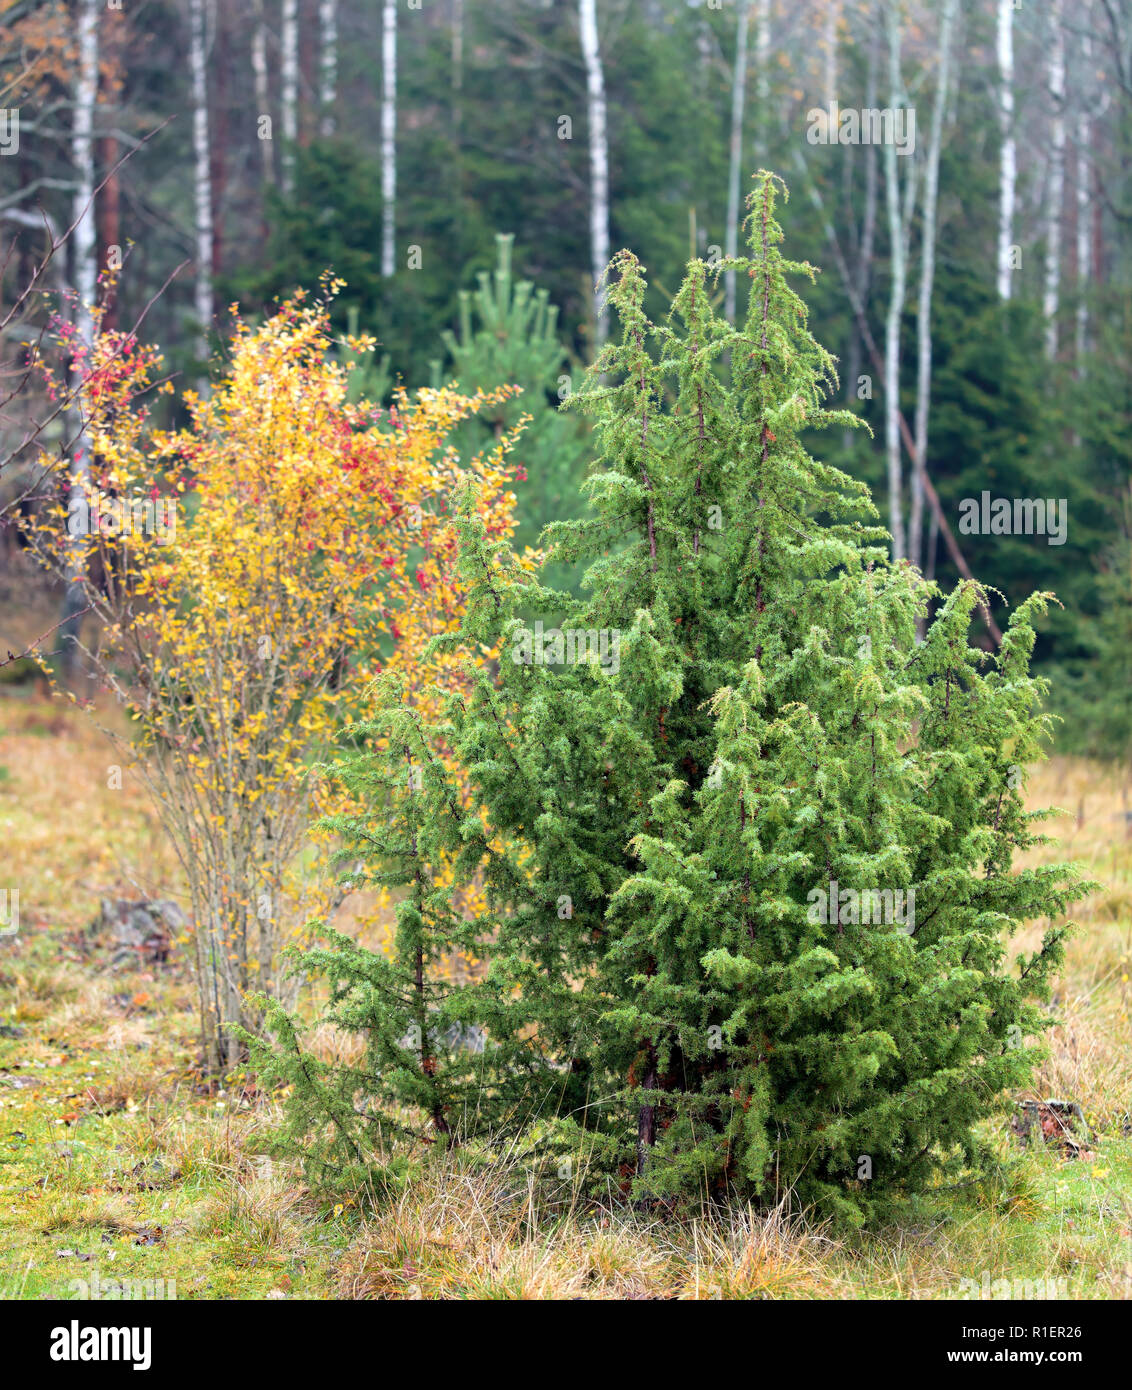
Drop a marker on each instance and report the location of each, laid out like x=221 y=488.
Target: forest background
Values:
x=975 y=284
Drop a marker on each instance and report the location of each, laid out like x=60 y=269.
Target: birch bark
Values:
x=262 y=100
x=327 y=64
x=1055 y=192
x=738 y=101
x=388 y=135
x=927 y=279
x=1081 y=175
x=85 y=254
x=599 y=163
x=899 y=223
x=202 y=177
x=289 y=74
x=1008 y=159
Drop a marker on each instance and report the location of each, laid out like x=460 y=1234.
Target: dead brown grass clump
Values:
x=487 y=1234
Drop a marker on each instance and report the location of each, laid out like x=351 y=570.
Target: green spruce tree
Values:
x=508 y=335
x=746 y=845
x=417 y=1078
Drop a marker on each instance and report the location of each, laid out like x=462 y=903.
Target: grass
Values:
x=115 y=1158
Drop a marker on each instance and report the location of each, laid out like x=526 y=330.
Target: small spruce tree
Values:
x=415 y=1080
x=746 y=845
x=508 y=335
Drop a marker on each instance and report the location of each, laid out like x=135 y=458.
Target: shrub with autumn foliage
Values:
x=251 y=574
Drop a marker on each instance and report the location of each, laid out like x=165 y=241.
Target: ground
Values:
x=114 y=1159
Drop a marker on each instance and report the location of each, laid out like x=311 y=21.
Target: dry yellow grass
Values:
x=468 y=1232
x=1091 y=1048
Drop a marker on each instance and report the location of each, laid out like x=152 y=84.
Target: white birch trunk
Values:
x=262 y=97
x=1008 y=162
x=762 y=79
x=85 y=253
x=869 y=225
x=864 y=275
x=599 y=164
x=388 y=135
x=327 y=63
x=202 y=178
x=898 y=221
x=832 y=18
x=1055 y=191
x=289 y=76
x=927 y=278
x=83 y=239
x=738 y=101
x=1082 y=190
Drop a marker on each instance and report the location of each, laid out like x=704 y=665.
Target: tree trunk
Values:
x=108 y=202
x=599 y=164
x=84 y=244
x=868 y=225
x=289 y=74
x=646 y=1116
x=202 y=182
x=832 y=17
x=109 y=228
x=1056 y=189
x=388 y=136
x=327 y=63
x=738 y=95
x=762 y=80
x=1081 y=172
x=927 y=277
x=262 y=99
x=458 y=128
x=218 y=141
x=899 y=221
x=1008 y=158
x=940 y=521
